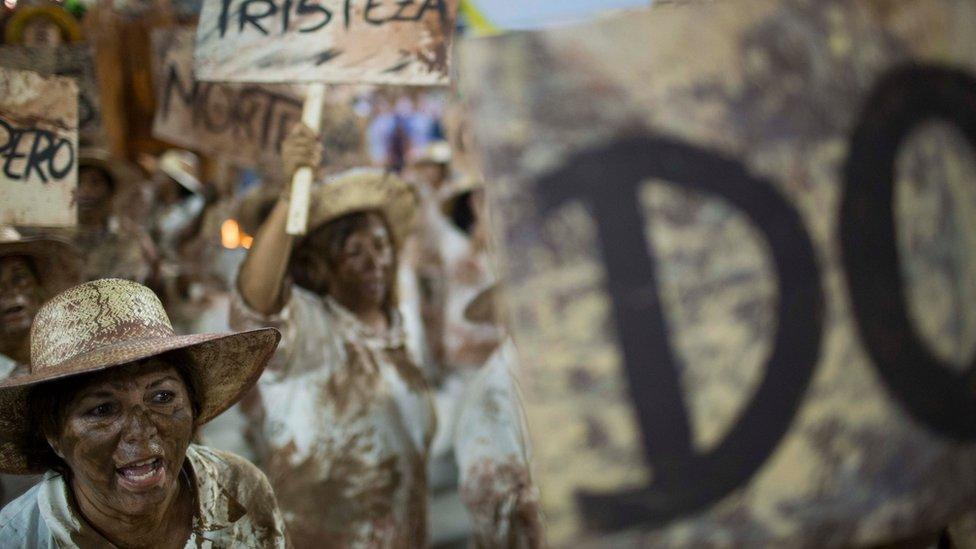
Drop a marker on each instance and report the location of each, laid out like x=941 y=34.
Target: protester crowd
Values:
x=179 y=370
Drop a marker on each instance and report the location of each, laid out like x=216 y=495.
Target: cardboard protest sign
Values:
x=244 y=123
x=38 y=149
x=75 y=61
x=332 y=41
x=738 y=246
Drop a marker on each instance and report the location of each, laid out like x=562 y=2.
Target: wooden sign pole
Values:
x=301 y=183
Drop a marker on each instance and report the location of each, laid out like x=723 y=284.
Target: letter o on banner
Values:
x=940 y=398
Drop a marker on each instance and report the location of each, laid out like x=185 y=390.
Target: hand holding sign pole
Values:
x=301 y=183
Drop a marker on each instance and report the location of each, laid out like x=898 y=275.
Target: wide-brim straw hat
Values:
x=183 y=167
x=437 y=152
x=109 y=323
x=364 y=190
x=483 y=309
x=58 y=263
x=69 y=26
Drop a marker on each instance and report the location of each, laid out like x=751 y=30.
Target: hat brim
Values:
x=225 y=365
x=364 y=191
x=65 y=21
x=58 y=262
x=482 y=309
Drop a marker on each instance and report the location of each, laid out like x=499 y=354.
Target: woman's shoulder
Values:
x=228 y=467
x=233 y=476
x=21 y=522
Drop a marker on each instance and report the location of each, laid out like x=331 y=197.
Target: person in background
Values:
x=31 y=271
x=345 y=415
x=429 y=173
x=42 y=26
x=107 y=414
x=491 y=447
x=112 y=245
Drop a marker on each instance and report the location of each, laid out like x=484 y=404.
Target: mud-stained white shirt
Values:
x=491 y=447
x=345 y=422
x=235 y=508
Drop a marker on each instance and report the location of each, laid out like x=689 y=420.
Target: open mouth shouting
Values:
x=142 y=475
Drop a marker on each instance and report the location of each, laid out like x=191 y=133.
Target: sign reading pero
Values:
x=330 y=41
x=72 y=60
x=38 y=149
x=741 y=280
x=244 y=123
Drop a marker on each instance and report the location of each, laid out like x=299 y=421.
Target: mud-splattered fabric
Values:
x=344 y=424
x=492 y=454
x=236 y=508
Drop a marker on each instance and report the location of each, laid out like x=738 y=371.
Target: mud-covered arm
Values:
x=261 y=281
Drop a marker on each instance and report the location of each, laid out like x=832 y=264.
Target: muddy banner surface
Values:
x=38 y=149
x=336 y=41
x=741 y=265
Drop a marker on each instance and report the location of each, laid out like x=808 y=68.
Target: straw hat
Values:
x=483 y=308
x=437 y=152
x=65 y=21
x=183 y=167
x=58 y=263
x=107 y=323
x=361 y=190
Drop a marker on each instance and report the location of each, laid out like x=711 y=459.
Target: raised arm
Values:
x=262 y=276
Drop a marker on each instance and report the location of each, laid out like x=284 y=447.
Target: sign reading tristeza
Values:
x=742 y=272
x=332 y=41
x=38 y=149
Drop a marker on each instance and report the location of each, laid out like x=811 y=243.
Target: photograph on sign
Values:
x=741 y=280
x=74 y=61
x=38 y=149
x=331 y=41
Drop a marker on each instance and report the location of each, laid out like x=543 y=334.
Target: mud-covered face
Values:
x=42 y=32
x=20 y=297
x=124 y=436
x=361 y=270
x=94 y=195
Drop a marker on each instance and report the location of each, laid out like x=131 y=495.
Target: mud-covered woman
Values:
x=107 y=413
x=345 y=417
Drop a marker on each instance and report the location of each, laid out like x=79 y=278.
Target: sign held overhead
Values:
x=38 y=149
x=402 y=42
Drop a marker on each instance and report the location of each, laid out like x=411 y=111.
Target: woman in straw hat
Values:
x=344 y=411
x=31 y=271
x=108 y=410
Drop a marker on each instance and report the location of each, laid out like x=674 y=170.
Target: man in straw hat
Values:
x=107 y=412
x=345 y=415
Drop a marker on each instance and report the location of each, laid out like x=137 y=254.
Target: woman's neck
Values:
x=168 y=526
